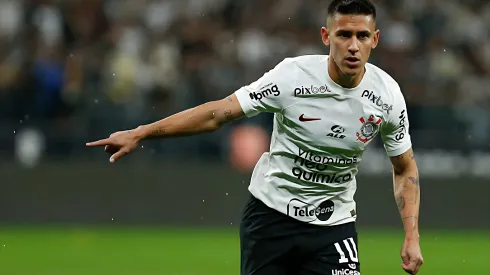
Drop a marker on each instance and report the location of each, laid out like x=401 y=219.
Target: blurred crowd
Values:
x=77 y=70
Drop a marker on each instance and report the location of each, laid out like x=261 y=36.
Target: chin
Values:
x=351 y=71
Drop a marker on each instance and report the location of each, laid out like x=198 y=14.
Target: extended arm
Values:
x=207 y=117
x=263 y=95
x=407 y=191
x=407 y=195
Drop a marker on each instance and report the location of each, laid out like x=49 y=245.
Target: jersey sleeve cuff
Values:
x=244 y=101
x=400 y=150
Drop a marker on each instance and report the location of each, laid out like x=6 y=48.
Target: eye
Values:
x=363 y=36
x=344 y=34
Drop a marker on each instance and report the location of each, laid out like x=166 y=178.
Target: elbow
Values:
x=213 y=124
x=398 y=171
x=217 y=115
x=405 y=169
x=217 y=121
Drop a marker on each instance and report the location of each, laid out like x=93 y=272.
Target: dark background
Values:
x=208 y=195
x=76 y=71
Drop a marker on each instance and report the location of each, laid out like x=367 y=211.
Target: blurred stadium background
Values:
x=72 y=71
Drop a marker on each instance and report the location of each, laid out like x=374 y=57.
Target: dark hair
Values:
x=351 y=7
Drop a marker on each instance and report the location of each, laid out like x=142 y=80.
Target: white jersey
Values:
x=320 y=133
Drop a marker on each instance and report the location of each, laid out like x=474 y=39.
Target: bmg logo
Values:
x=273 y=90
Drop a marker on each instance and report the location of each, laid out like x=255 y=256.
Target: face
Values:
x=351 y=39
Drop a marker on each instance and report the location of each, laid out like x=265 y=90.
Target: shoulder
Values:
x=384 y=81
x=304 y=68
x=304 y=61
x=300 y=68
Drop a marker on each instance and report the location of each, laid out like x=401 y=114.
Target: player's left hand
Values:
x=411 y=256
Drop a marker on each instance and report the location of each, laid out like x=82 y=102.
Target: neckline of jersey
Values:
x=366 y=71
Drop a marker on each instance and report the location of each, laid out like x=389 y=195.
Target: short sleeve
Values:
x=268 y=93
x=395 y=131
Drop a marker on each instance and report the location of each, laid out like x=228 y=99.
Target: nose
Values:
x=353 y=46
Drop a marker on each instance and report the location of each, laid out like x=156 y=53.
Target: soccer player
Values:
x=300 y=218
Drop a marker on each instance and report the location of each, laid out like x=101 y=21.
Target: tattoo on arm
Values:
x=400 y=202
x=158 y=132
x=228 y=114
x=402 y=156
x=415 y=180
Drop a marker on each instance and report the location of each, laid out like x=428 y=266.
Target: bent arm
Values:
x=407 y=191
x=206 y=117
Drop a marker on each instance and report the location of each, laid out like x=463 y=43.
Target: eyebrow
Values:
x=339 y=32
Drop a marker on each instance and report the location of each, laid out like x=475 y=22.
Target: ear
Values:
x=375 y=39
x=325 y=36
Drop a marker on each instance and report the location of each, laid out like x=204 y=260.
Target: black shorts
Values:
x=275 y=244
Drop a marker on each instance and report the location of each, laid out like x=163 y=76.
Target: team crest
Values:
x=369 y=128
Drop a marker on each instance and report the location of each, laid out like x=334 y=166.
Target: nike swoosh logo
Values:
x=303 y=118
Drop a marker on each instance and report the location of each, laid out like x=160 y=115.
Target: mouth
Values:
x=352 y=61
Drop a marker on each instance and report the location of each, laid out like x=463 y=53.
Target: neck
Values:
x=346 y=81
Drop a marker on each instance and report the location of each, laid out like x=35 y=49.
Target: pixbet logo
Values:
x=311 y=90
x=402 y=128
x=273 y=90
x=308 y=212
x=377 y=100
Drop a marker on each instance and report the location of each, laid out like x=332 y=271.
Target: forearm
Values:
x=204 y=118
x=407 y=196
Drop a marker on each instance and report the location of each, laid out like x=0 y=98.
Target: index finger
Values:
x=101 y=142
